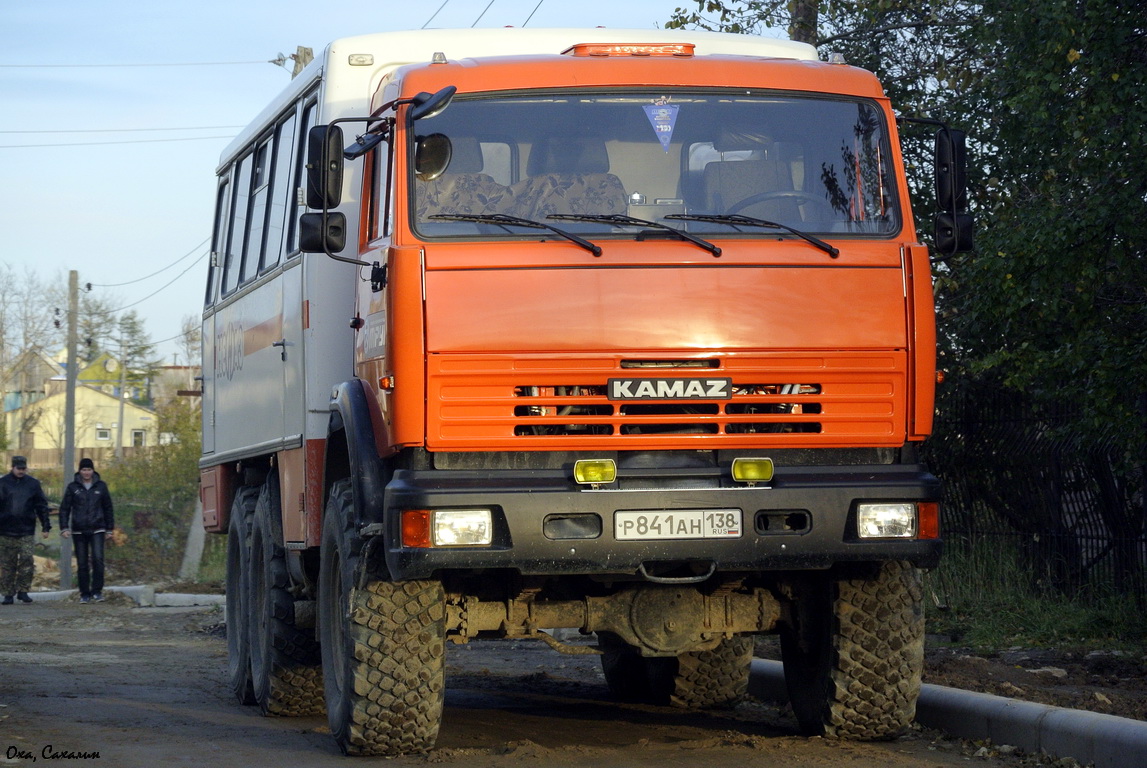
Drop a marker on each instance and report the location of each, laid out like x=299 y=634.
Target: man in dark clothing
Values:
x=86 y=516
x=22 y=500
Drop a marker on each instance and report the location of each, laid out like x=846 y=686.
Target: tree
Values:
x=95 y=325
x=926 y=55
x=135 y=353
x=156 y=490
x=1055 y=302
x=1047 y=321
x=191 y=339
x=27 y=314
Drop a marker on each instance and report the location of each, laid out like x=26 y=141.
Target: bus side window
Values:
x=218 y=238
x=280 y=204
x=233 y=253
x=260 y=186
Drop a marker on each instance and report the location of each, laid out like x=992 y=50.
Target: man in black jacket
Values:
x=86 y=516
x=22 y=500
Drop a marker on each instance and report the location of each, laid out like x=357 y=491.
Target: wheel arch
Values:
x=354 y=435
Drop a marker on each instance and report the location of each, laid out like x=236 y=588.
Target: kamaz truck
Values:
x=623 y=332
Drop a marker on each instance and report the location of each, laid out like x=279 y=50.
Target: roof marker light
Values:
x=631 y=49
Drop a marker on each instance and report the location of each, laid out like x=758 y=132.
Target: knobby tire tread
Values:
x=288 y=682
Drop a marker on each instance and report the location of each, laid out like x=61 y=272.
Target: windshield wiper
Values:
x=504 y=220
x=630 y=221
x=734 y=220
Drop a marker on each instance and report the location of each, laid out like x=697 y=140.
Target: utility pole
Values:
x=70 y=417
x=122 y=386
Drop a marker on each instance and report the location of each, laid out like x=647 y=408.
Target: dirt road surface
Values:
x=116 y=685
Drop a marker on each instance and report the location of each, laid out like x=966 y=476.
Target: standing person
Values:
x=22 y=500
x=86 y=517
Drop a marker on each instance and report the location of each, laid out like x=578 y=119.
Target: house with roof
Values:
x=35 y=397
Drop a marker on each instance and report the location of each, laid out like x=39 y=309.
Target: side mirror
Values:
x=430 y=104
x=432 y=156
x=322 y=232
x=954 y=232
x=954 y=226
x=324 y=167
x=951 y=170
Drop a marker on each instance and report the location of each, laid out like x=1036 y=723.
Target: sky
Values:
x=109 y=170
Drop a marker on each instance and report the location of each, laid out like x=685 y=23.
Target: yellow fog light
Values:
x=752 y=471
x=595 y=471
x=886 y=521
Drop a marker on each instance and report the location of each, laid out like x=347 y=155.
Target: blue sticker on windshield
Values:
x=662 y=116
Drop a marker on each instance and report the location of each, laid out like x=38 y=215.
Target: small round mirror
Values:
x=431 y=156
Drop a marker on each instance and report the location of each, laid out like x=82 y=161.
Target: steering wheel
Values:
x=787 y=194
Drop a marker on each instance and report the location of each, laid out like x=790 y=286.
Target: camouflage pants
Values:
x=16 y=564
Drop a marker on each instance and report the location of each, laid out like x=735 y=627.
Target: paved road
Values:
x=147 y=686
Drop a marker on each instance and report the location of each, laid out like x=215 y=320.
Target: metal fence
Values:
x=1026 y=483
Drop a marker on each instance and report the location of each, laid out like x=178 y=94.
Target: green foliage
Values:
x=1055 y=302
x=155 y=493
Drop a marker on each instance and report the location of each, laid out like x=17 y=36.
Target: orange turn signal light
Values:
x=928 y=520
x=416 y=528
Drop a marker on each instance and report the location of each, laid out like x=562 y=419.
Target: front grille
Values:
x=494 y=403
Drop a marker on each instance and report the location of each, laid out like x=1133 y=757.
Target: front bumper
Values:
x=819 y=501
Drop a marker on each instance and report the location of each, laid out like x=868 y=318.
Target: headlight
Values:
x=462 y=528
x=447 y=528
x=886 y=521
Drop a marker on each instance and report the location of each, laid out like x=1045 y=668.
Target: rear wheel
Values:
x=716 y=678
x=238 y=566
x=383 y=645
x=697 y=680
x=286 y=669
x=854 y=661
x=630 y=676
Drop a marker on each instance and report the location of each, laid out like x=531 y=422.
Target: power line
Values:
x=444 y=2
x=162 y=64
x=153 y=274
x=536 y=7
x=480 y=15
x=166 y=285
x=134 y=130
x=153 y=293
x=110 y=143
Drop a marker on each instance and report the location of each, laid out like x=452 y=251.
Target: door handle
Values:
x=284 y=344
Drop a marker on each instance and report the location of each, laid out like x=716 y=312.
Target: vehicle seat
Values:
x=726 y=183
x=568 y=175
x=462 y=188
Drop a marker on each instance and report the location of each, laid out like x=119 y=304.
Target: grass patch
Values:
x=984 y=596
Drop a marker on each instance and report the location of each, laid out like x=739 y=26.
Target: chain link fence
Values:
x=1028 y=486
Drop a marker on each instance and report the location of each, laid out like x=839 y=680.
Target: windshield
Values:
x=816 y=164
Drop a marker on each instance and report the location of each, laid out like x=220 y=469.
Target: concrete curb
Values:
x=1105 y=741
x=144 y=595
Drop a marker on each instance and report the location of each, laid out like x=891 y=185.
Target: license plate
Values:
x=677 y=524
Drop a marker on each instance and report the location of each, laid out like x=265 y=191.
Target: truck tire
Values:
x=286 y=671
x=238 y=564
x=716 y=678
x=854 y=663
x=700 y=680
x=630 y=676
x=383 y=645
